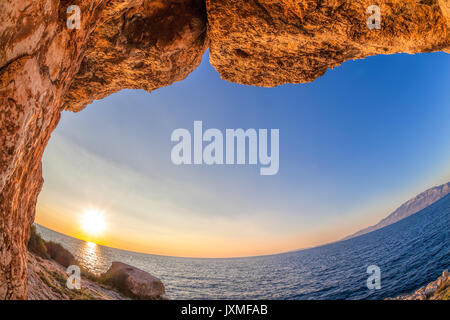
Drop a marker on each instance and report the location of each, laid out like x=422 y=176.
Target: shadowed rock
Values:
x=142 y=45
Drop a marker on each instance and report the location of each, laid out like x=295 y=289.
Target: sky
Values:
x=354 y=145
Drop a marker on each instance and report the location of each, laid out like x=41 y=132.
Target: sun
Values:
x=93 y=222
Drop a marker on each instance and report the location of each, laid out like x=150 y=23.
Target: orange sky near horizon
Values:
x=354 y=145
x=250 y=242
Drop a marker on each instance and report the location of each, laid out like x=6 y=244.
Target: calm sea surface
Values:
x=410 y=253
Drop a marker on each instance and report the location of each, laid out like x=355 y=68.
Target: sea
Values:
x=409 y=254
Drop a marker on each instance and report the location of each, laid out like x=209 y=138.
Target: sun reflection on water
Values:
x=90 y=255
x=91 y=244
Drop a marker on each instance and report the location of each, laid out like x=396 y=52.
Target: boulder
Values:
x=134 y=282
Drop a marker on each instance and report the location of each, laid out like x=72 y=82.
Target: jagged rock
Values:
x=148 y=45
x=430 y=288
x=268 y=43
x=134 y=282
x=443 y=279
x=45 y=67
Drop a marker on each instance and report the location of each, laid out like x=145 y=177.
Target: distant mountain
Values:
x=410 y=207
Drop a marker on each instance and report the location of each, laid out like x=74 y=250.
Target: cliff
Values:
x=45 y=67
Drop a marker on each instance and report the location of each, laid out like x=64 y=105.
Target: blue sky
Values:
x=354 y=145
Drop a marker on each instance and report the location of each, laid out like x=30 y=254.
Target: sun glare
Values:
x=93 y=222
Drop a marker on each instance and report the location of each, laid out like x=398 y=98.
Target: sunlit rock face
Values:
x=46 y=67
x=272 y=42
x=38 y=58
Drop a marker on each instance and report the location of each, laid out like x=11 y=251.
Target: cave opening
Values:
x=115 y=156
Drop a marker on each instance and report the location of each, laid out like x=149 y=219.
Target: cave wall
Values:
x=147 y=44
x=46 y=67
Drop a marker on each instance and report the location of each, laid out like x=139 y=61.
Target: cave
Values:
x=46 y=68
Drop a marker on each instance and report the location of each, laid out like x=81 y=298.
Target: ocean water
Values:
x=410 y=253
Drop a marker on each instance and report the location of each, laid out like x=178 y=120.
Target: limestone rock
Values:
x=134 y=282
x=430 y=288
x=272 y=42
x=139 y=45
x=45 y=67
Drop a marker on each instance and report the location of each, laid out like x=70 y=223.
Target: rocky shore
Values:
x=435 y=290
x=47 y=281
x=47 y=277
